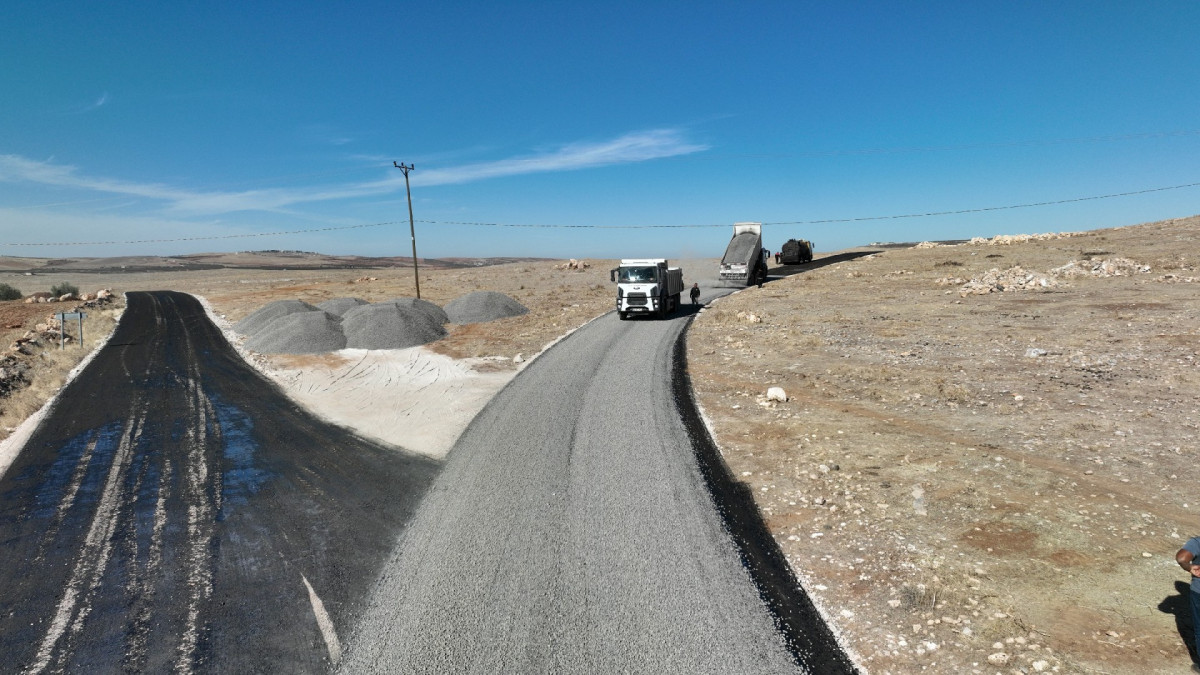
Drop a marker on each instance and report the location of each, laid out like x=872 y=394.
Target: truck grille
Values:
x=635 y=299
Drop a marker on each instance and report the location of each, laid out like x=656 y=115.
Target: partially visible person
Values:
x=1188 y=559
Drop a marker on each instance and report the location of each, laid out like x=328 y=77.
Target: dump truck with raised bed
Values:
x=647 y=286
x=744 y=262
x=796 y=251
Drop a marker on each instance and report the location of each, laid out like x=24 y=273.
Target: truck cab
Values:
x=647 y=286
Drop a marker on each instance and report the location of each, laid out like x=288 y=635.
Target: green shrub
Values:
x=9 y=293
x=63 y=288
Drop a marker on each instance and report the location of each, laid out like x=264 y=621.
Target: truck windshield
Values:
x=638 y=275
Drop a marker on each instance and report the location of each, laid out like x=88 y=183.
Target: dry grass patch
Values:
x=50 y=366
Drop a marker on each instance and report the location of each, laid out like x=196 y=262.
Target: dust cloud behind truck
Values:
x=647 y=286
x=744 y=262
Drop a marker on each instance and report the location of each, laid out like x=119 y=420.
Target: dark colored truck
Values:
x=795 y=251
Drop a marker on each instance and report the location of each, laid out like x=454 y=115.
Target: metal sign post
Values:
x=62 y=327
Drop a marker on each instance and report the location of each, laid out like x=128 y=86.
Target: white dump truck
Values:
x=744 y=262
x=647 y=286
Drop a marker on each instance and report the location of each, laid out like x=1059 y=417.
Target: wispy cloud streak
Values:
x=630 y=148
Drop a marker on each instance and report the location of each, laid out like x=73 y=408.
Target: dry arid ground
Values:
x=32 y=372
x=991 y=482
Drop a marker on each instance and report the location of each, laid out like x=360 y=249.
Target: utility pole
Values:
x=411 y=228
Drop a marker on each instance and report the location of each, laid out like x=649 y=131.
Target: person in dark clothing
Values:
x=1188 y=558
x=695 y=293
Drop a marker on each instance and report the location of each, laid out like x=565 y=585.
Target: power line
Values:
x=987 y=208
x=824 y=221
x=205 y=238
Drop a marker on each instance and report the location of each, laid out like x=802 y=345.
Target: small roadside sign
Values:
x=63 y=318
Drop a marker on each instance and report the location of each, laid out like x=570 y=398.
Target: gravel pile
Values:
x=255 y=322
x=339 y=306
x=390 y=325
x=436 y=313
x=311 y=332
x=482 y=306
x=296 y=327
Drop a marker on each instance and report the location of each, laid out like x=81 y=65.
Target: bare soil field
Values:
x=991 y=482
x=966 y=481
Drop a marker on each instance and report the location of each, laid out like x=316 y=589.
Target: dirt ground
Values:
x=991 y=482
x=966 y=481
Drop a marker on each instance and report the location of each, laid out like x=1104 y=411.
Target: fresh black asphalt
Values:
x=174 y=510
x=574 y=530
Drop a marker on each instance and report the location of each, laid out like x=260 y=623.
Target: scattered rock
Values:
x=1012 y=279
x=1109 y=267
x=573 y=264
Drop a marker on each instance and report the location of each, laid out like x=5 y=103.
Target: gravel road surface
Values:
x=175 y=512
x=571 y=531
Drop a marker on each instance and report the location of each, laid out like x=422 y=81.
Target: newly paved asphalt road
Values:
x=175 y=512
x=572 y=531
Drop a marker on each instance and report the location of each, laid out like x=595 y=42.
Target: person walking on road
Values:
x=1188 y=558
x=695 y=293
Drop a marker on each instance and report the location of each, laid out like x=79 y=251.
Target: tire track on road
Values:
x=174 y=496
x=92 y=559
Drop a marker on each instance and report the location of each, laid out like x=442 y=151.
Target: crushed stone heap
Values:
x=255 y=322
x=481 y=306
x=312 y=332
x=339 y=306
x=390 y=325
x=436 y=313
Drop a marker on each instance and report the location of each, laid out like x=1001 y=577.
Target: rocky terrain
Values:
x=985 y=457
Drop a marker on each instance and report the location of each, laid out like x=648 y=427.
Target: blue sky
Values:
x=145 y=120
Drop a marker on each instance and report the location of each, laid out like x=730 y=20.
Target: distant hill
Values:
x=279 y=260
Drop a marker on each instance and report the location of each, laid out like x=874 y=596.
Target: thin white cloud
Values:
x=98 y=102
x=630 y=148
x=627 y=149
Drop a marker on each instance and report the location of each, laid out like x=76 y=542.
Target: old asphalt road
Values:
x=175 y=512
x=572 y=531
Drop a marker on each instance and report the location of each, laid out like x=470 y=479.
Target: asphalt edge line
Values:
x=14 y=443
x=809 y=634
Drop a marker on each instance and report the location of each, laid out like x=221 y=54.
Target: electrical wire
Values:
x=823 y=221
